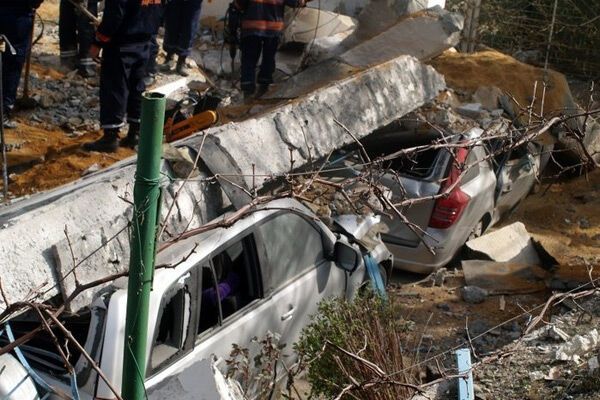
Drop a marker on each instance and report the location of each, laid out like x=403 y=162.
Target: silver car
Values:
x=491 y=187
x=267 y=272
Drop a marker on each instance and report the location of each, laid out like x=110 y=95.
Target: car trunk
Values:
x=416 y=176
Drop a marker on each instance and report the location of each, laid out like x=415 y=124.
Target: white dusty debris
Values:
x=578 y=347
x=200 y=381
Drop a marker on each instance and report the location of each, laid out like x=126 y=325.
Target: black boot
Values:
x=169 y=63
x=8 y=123
x=87 y=70
x=108 y=143
x=181 y=68
x=132 y=138
x=263 y=88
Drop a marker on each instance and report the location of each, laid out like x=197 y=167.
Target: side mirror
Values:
x=346 y=256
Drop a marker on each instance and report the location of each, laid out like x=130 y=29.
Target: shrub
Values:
x=342 y=341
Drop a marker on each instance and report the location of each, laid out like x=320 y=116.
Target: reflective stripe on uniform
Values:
x=68 y=53
x=113 y=126
x=261 y=25
x=87 y=61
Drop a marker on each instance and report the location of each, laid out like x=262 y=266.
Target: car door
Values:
x=296 y=272
x=516 y=172
x=224 y=317
x=417 y=176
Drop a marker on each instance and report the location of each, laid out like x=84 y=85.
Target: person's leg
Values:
x=267 y=67
x=17 y=29
x=113 y=99
x=151 y=67
x=172 y=26
x=67 y=34
x=251 y=48
x=138 y=59
x=190 y=20
x=85 y=28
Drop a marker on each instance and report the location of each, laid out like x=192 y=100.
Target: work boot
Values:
x=87 y=71
x=169 y=63
x=248 y=96
x=150 y=80
x=181 y=67
x=262 y=90
x=8 y=123
x=108 y=143
x=132 y=138
x=68 y=63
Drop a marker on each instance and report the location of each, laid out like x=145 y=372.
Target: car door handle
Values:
x=288 y=315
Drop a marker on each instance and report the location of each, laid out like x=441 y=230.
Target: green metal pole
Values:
x=146 y=194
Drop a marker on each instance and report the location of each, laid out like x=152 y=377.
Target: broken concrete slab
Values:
x=504 y=277
x=362 y=102
x=309 y=24
x=511 y=243
x=401 y=39
x=379 y=15
x=472 y=110
x=306 y=81
x=36 y=253
x=200 y=381
x=424 y=36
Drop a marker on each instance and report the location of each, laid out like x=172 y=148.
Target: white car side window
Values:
x=293 y=246
x=173 y=325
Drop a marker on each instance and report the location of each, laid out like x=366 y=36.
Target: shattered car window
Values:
x=174 y=319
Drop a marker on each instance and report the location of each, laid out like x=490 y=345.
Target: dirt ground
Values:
x=465 y=73
x=43 y=156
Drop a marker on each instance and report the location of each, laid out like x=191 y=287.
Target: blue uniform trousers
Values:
x=16 y=26
x=76 y=31
x=182 y=18
x=122 y=75
x=252 y=47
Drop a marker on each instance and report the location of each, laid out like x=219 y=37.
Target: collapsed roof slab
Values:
x=314 y=125
x=424 y=35
x=36 y=252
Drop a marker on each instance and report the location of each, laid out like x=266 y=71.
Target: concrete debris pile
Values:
x=550 y=365
x=509 y=261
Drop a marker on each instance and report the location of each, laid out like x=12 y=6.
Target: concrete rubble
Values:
x=309 y=24
x=509 y=244
x=578 y=347
x=201 y=381
x=95 y=209
x=442 y=30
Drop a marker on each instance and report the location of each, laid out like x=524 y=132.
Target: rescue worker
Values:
x=181 y=24
x=124 y=36
x=76 y=35
x=16 y=20
x=261 y=29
